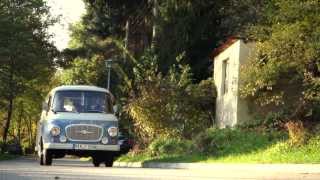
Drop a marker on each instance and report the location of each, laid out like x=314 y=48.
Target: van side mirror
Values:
x=45 y=106
x=115 y=108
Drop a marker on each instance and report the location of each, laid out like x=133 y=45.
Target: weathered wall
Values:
x=243 y=113
x=226 y=111
x=230 y=108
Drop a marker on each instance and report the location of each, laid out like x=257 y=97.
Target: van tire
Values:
x=47 y=157
x=40 y=151
x=96 y=161
x=41 y=160
x=109 y=162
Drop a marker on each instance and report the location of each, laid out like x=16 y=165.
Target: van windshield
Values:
x=82 y=102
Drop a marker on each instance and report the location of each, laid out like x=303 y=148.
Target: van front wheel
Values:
x=40 y=153
x=46 y=157
x=96 y=161
x=41 y=159
x=109 y=162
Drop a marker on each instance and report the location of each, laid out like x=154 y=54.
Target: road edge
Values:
x=315 y=168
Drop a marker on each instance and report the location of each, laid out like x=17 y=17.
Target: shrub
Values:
x=270 y=122
x=205 y=142
x=2 y=147
x=13 y=147
x=316 y=129
x=297 y=132
x=314 y=142
x=274 y=120
x=170 y=146
x=169 y=105
x=215 y=141
x=283 y=72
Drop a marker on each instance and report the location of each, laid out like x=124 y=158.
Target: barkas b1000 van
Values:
x=78 y=120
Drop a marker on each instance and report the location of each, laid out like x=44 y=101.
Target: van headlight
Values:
x=113 y=131
x=55 y=131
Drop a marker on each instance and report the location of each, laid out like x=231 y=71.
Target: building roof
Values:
x=79 y=88
x=224 y=46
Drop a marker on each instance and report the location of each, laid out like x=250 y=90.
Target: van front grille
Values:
x=84 y=132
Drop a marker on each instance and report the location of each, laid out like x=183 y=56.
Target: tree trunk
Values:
x=145 y=35
x=126 y=41
x=8 y=120
x=29 y=127
x=10 y=104
x=155 y=13
x=20 y=121
x=32 y=136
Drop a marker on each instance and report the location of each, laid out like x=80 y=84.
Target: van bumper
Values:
x=91 y=147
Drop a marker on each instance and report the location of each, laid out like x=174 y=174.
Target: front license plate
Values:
x=81 y=146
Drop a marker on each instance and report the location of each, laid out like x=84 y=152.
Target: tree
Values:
x=26 y=55
x=197 y=27
x=175 y=27
x=285 y=70
x=84 y=71
x=129 y=31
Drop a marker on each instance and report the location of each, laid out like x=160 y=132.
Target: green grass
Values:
x=253 y=149
x=281 y=152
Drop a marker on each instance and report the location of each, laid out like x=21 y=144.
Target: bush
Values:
x=297 y=132
x=274 y=120
x=232 y=141
x=283 y=72
x=170 y=146
x=170 y=105
x=2 y=147
x=269 y=122
x=13 y=147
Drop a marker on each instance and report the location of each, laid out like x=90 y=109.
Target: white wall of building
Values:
x=230 y=109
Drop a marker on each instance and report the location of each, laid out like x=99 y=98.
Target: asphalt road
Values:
x=28 y=168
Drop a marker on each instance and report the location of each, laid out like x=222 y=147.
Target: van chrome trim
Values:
x=79 y=140
x=67 y=146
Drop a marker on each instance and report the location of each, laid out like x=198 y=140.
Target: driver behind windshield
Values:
x=81 y=102
x=98 y=105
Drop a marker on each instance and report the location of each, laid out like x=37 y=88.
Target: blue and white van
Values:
x=78 y=120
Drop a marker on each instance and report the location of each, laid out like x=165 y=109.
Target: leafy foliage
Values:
x=284 y=71
x=232 y=145
x=84 y=71
x=155 y=90
x=220 y=142
x=277 y=151
x=26 y=54
x=297 y=133
x=170 y=105
x=170 y=146
x=197 y=27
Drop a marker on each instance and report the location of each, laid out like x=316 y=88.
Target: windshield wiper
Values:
x=95 y=111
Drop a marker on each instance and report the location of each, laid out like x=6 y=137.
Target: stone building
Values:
x=228 y=58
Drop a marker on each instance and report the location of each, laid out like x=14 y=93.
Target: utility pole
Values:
x=108 y=66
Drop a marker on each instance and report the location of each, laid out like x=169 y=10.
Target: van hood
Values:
x=82 y=116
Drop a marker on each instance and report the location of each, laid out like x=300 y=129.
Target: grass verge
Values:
x=244 y=149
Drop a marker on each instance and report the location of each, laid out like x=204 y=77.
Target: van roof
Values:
x=79 y=88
